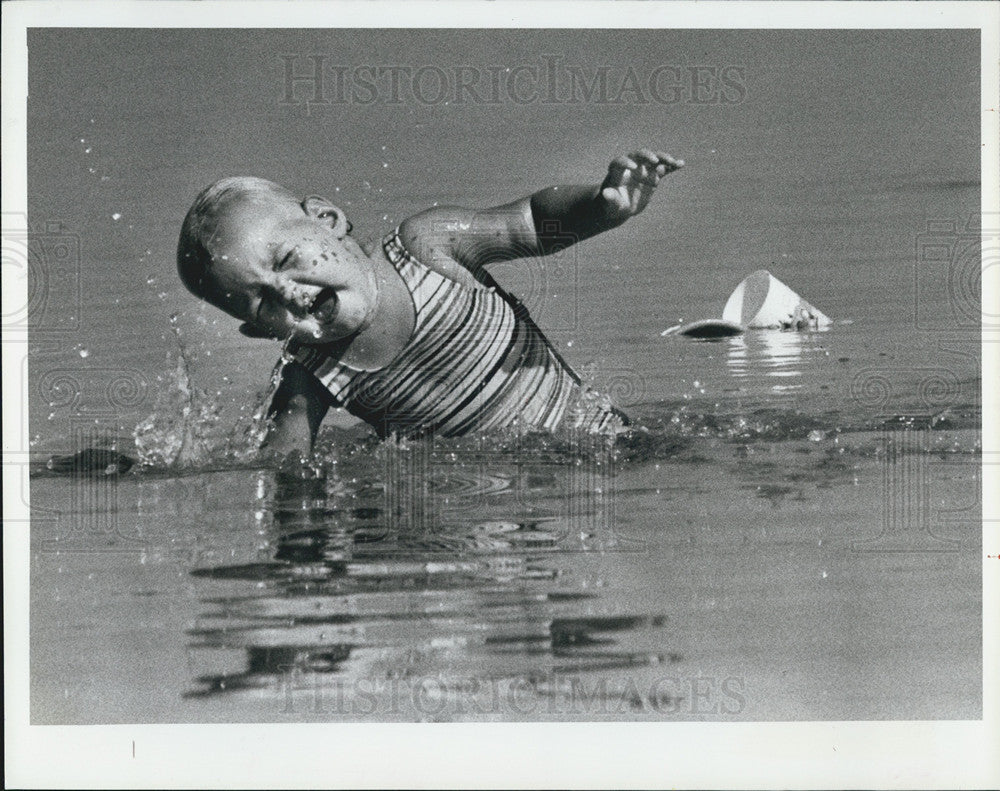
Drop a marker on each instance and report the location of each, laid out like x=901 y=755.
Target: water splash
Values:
x=247 y=438
x=184 y=428
x=179 y=431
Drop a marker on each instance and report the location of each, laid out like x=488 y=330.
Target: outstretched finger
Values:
x=624 y=163
x=646 y=156
x=648 y=166
x=672 y=163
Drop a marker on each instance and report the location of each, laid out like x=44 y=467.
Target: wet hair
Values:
x=194 y=261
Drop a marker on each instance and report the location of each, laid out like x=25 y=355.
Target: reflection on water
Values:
x=424 y=582
x=462 y=583
x=778 y=354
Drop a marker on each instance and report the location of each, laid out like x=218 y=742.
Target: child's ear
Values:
x=322 y=209
x=252 y=331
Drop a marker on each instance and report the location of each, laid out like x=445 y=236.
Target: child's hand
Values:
x=631 y=180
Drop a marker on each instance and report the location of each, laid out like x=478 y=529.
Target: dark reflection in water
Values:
x=460 y=578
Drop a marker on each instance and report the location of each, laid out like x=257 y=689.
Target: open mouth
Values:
x=324 y=306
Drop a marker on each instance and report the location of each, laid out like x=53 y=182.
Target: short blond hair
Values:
x=194 y=261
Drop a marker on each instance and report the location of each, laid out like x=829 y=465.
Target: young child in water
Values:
x=415 y=336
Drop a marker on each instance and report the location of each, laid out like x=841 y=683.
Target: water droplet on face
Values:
x=150 y=280
x=116 y=216
x=84 y=353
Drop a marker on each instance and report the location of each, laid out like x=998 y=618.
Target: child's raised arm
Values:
x=582 y=212
x=549 y=219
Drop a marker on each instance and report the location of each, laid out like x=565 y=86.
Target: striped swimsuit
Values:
x=474 y=363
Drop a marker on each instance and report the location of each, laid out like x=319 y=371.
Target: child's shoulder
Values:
x=436 y=237
x=436 y=234
x=434 y=229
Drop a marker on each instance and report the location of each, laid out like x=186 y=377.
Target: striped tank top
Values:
x=475 y=362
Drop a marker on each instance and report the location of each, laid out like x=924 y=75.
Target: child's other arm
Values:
x=299 y=405
x=541 y=223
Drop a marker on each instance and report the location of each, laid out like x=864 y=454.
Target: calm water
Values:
x=727 y=561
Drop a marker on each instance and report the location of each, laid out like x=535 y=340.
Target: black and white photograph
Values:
x=620 y=372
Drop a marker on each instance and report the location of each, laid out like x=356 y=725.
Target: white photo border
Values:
x=744 y=755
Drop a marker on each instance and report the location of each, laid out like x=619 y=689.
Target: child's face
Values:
x=289 y=269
